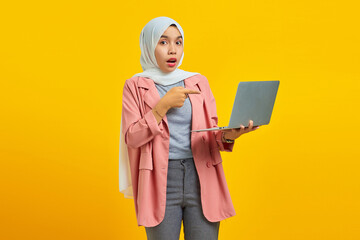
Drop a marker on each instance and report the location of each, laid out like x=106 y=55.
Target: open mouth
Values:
x=171 y=62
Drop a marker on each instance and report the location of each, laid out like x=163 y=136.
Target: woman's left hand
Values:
x=232 y=134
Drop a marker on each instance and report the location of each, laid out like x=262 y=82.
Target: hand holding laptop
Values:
x=234 y=133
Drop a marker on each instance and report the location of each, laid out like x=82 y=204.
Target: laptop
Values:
x=253 y=101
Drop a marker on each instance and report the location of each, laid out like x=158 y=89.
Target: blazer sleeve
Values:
x=227 y=147
x=138 y=129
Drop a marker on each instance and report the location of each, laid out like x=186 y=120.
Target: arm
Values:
x=137 y=130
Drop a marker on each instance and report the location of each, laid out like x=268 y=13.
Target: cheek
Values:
x=159 y=54
x=181 y=50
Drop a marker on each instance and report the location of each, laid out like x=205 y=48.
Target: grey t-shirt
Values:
x=179 y=121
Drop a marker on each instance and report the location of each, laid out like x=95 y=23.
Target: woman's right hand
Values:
x=176 y=96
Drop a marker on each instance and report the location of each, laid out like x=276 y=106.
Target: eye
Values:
x=180 y=42
x=162 y=41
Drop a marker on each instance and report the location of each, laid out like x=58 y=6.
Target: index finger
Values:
x=191 y=91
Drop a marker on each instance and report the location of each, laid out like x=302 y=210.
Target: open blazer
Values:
x=148 y=149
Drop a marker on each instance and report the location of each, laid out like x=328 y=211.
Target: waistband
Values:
x=170 y=159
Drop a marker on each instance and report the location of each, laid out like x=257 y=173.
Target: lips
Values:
x=171 y=60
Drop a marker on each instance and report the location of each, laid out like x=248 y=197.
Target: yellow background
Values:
x=62 y=68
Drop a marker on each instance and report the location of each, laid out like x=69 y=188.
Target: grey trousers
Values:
x=183 y=203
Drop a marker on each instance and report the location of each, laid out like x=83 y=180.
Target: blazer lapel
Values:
x=195 y=99
x=151 y=96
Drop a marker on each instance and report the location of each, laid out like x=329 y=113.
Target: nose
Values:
x=172 y=49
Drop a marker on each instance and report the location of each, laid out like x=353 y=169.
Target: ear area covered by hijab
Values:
x=149 y=38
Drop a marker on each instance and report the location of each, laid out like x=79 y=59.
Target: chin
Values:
x=168 y=70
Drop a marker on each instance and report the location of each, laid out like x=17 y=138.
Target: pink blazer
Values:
x=148 y=149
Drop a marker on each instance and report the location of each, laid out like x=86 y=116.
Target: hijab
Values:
x=149 y=38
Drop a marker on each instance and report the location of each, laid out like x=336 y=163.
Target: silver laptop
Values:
x=253 y=101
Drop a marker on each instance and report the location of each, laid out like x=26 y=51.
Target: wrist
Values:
x=162 y=108
x=164 y=104
x=155 y=111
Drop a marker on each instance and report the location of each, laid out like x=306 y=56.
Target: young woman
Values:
x=176 y=175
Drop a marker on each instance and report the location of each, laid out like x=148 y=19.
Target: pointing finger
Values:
x=190 y=91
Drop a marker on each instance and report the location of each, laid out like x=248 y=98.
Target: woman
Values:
x=176 y=175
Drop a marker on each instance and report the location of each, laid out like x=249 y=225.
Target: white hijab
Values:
x=149 y=38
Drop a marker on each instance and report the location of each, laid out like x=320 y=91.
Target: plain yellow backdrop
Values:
x=63 y=65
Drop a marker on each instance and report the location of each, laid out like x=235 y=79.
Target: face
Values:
x=169 y=46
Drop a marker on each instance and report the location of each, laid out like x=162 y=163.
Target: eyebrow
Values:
x=164 y=36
